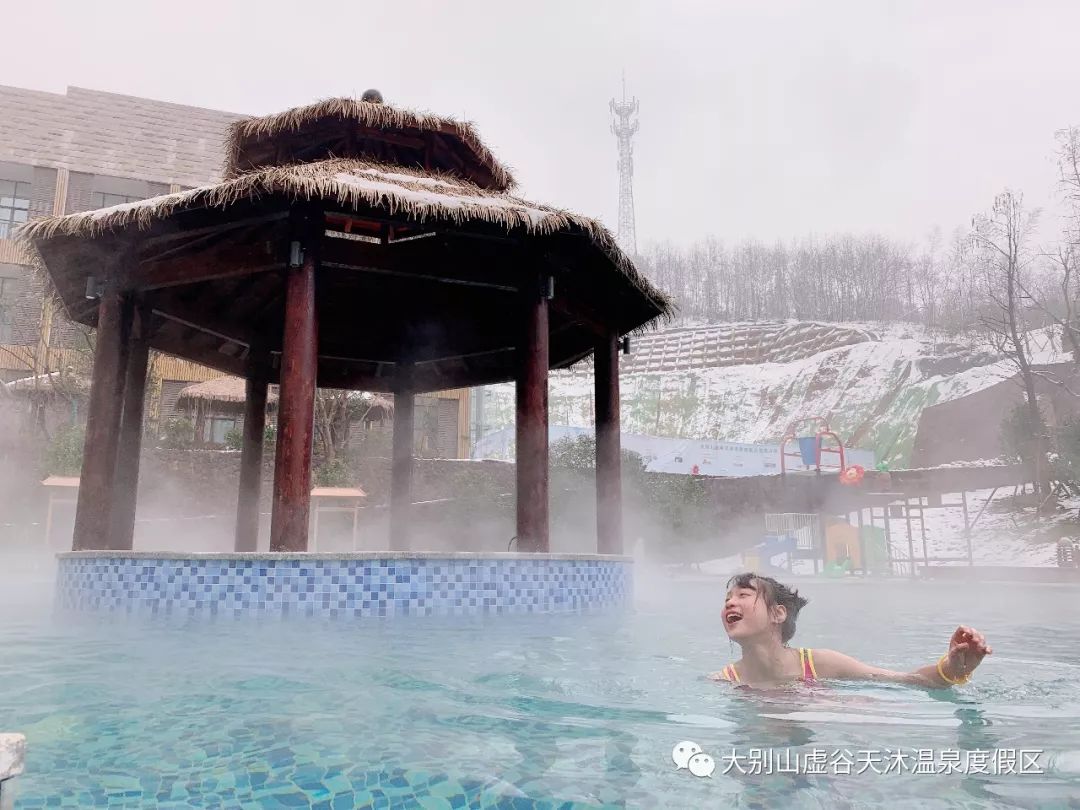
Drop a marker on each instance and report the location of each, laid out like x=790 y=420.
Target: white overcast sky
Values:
x=758 y=119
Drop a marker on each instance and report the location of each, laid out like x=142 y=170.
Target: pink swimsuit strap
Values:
x=806 y=663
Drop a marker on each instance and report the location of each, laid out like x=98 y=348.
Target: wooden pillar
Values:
x=251 y=462
x=296 y=399
x=402 y=464
x=532 y=427
x=93 y=514
x=609 y=538
x=131 y=430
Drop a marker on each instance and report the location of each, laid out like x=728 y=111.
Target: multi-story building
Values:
x=85 y=149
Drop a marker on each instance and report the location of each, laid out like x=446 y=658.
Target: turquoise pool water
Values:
x=537 y=711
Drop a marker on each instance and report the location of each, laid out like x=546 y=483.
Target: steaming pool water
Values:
x=538 y=711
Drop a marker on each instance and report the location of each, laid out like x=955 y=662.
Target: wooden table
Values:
x=336 y=499
x=62 y=490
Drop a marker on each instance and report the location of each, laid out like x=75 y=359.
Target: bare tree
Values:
x=332 y=423
x=1001 y=240
x=335 y=413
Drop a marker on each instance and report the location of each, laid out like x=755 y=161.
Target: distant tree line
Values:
x=950 y=282
x=843 y=277
x=990 y=280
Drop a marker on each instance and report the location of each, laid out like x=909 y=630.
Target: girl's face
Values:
x=746 y=614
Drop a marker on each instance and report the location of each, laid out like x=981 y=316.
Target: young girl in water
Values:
x=759 y=615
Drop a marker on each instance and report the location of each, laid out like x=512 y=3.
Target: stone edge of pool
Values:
x=325 y=584
x=12 y=763
x=345 y=555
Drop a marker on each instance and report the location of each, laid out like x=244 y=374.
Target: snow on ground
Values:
x=1003 y=535
x=873 y=393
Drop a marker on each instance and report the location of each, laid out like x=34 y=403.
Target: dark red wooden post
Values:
x=402 y=465
x=131 y=430
x=251 y=462
x=532 y=426
x=609 y=538
x=93 y=513
x=296 y=403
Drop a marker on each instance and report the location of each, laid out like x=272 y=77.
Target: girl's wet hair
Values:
x=775 y=593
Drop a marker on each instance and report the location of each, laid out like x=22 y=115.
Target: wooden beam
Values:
x=131 y=429
x=207 y=356
x=251 y=462
x=183 y=235
x=532 y=427
x=222 y=262
x=403 y=261
x=572 y=311
x=609 y=537
x=168 y=241
x=411 y=141
x=215 y=330
x=379 y=271
x=93 y=513
x=402 y=464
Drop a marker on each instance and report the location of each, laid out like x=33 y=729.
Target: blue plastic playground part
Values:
x=808 y=450
x=776 y=544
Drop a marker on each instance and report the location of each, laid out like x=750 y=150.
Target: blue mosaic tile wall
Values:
x=345 y=587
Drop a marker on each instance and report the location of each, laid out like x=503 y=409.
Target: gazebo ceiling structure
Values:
x=352 y=245
x=424 y=248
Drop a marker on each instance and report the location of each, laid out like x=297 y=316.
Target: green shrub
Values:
x=234 y=439
x=64 y=454
x=177 y=433
x=332 y=474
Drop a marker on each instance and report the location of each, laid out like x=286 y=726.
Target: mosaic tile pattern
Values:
x=344 y=587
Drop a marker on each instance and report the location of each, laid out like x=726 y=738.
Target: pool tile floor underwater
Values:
x=275 y=782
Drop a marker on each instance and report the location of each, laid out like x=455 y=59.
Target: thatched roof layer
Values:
x=346 y=127
x=230 y=390
x=353 y=184
x=53 y=382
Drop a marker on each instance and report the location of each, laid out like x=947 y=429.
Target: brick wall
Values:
x=111 y=134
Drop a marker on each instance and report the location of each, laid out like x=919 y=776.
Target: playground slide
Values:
x=760 y=557
x=784 y=544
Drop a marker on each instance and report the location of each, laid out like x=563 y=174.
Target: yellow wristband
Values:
x=946 y=678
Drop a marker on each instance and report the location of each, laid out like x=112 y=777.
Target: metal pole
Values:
x=885 y=520
x=862 y=543
x=967 y=528
x=910 y=537
x=922 y=531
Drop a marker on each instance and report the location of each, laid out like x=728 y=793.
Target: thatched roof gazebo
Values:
x=225 y=393
x=353 y=245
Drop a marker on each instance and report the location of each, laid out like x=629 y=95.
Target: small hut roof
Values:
x=231 y=390
x=53 y=382
x=346 y=127
x=220 y=390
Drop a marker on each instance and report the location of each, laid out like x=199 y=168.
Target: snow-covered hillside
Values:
x=872 y=387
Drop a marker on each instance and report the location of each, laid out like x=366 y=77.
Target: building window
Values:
x=217 y=428
x=103 y=200
x=14 y=206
